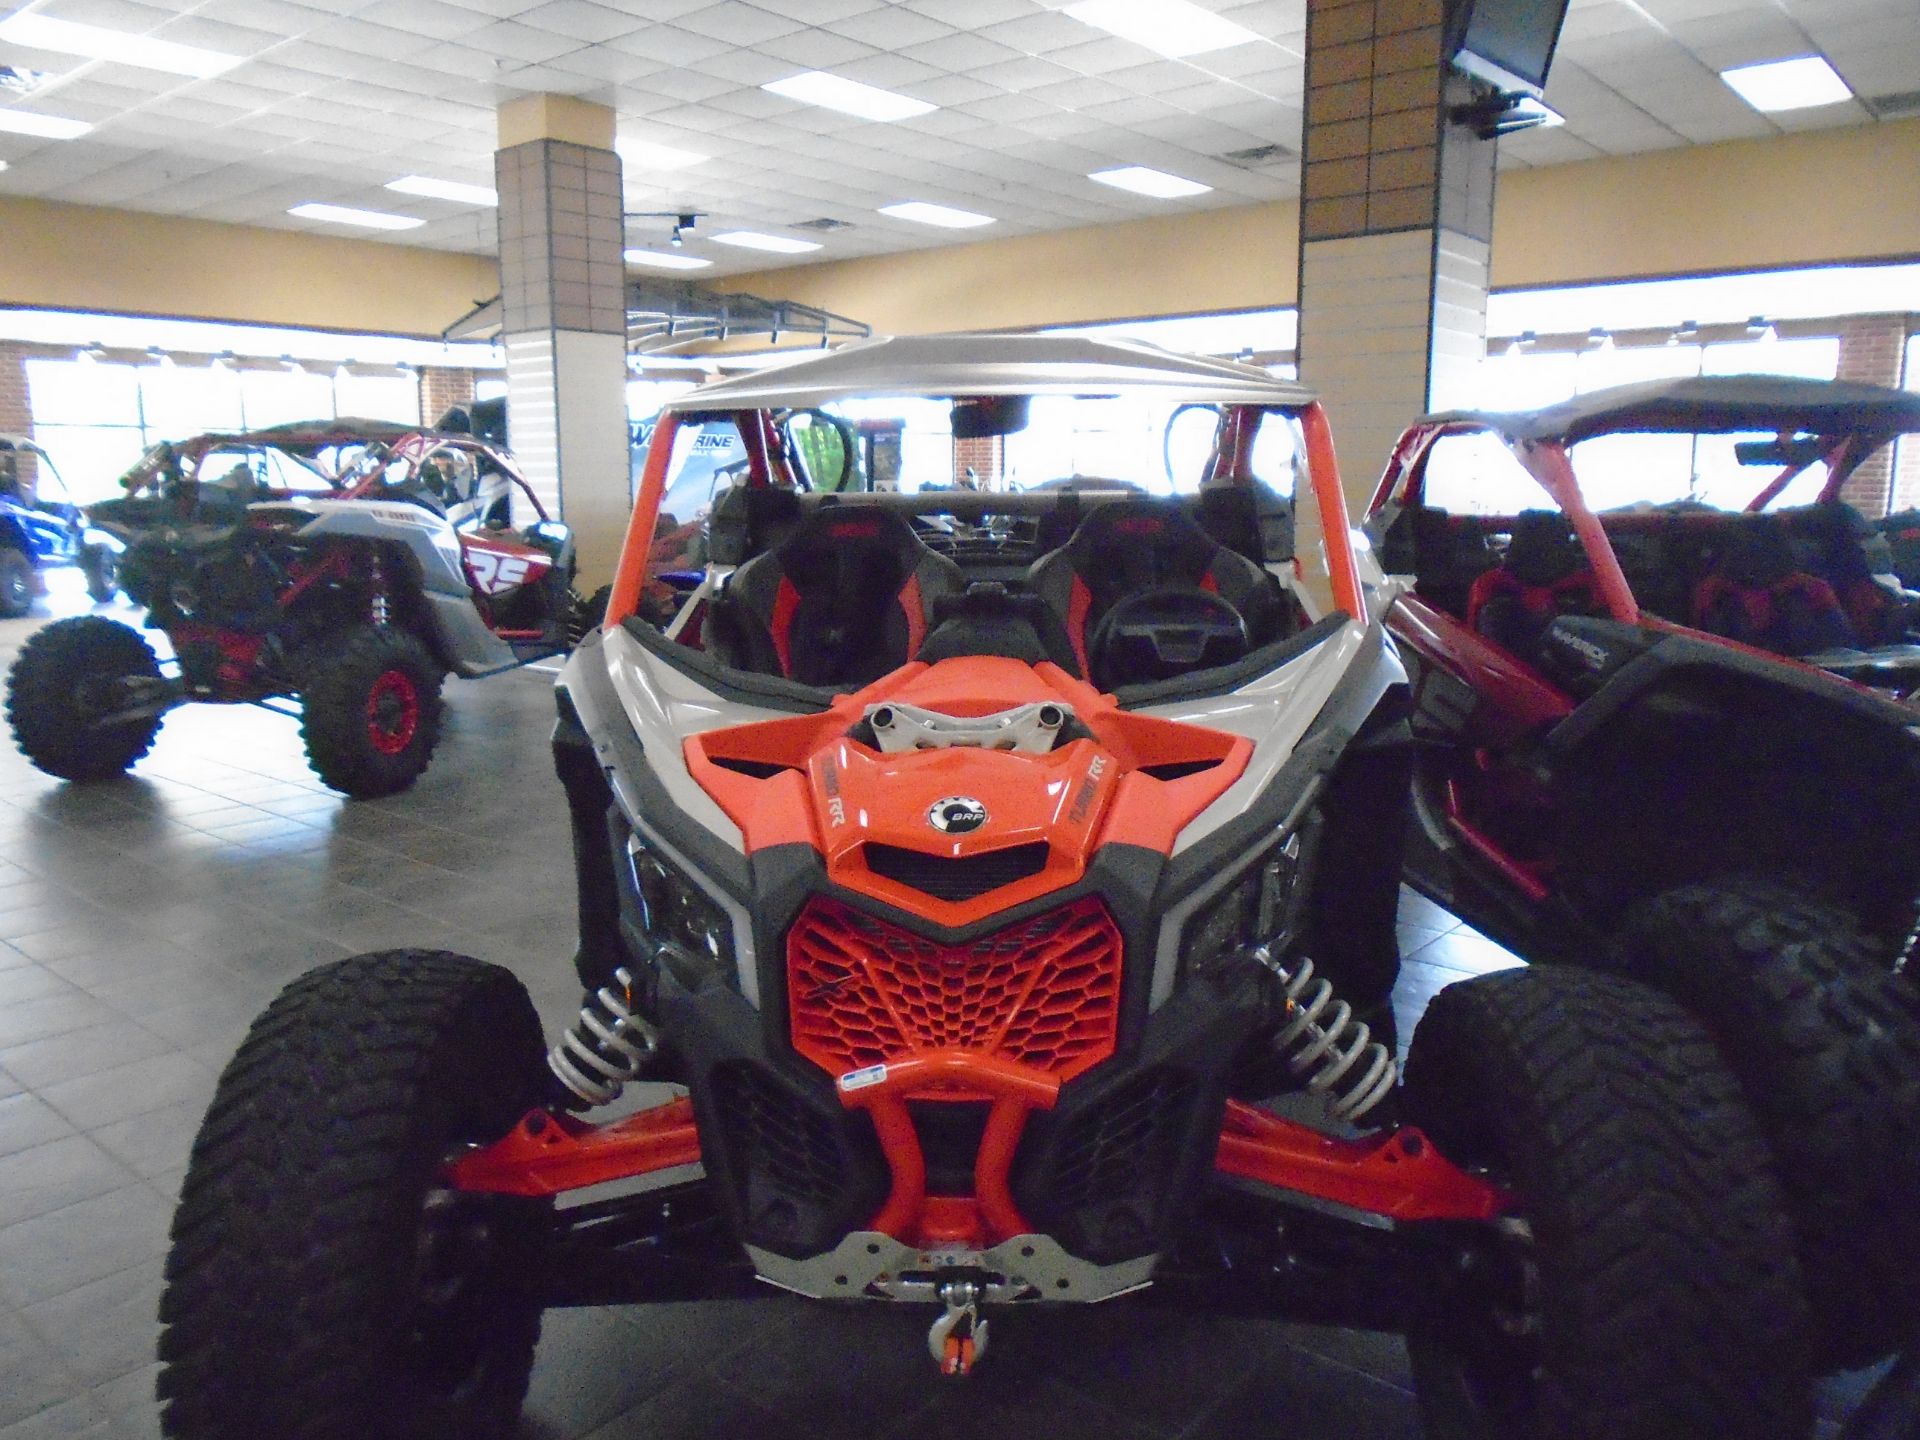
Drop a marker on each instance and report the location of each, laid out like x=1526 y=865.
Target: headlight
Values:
x=1261 y=906
x=671 y=923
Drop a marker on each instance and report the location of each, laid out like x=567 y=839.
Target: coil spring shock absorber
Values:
x=1322 y=1044
x=608 y=1046
x=378 y=613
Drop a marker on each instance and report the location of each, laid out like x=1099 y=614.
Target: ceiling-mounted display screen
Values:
x=1507 y=43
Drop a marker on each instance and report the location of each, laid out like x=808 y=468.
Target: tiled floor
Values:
x=144 y=923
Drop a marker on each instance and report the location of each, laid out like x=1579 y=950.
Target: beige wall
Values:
x=77 y=257
x=1802 y=199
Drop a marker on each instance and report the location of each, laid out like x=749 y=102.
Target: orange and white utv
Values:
x=993 y=883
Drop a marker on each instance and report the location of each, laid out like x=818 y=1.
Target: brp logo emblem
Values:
x=957 y=815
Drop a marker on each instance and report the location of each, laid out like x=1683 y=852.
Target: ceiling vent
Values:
x=824 y=223
x=1260 y=157
x=1895 y=107
x=18 y=80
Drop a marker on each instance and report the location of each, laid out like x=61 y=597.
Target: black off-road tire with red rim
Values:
x=67 y=677
x=324 y=1283
x=371 y=702
x=1825 y=1039
x=1652 y=1291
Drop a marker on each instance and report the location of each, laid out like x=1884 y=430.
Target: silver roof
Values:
x=946 y=366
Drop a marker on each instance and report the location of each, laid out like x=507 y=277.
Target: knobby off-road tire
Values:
x=102 y=569
x=318 y=1287
x=1665 y=1297
x=62 y=683
x=1825 y=1039
x=370 y=710
x=16 y=582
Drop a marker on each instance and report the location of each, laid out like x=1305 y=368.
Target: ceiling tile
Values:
x=581 y=20
x=816 y=50
x=738 y=23
x=511 y=40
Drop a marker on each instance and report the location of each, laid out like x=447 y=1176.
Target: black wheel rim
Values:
x=462 y=1285
x=1478 y=1355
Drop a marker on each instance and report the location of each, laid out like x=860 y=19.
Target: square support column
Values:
x=1396 y=227
x=564 y=327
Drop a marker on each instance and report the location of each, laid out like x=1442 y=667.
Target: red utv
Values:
x=334 y=570
x=998 y=895
x=1600 y=782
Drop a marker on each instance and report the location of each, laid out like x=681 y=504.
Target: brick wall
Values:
x=15 y=416
x=983 y=455
x=442 y=388
x=1872 y=349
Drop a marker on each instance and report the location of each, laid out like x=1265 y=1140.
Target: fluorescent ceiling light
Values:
x=1173 y=27
x=46 y=127
x=95 y=42
x=1142 y=181
x=346 y=215
x=850 y=97
x=1788 y=84
x=647 y=155
x=661 y=260
x=754 y=240
x=445 y=190
x=1529 y=107
x=923 y=213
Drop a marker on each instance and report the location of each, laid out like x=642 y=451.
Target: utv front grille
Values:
x=966 y=878
x=1045 y=992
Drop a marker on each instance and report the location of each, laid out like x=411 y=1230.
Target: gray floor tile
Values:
x=41 y=1063
x=66 y=1248
x=52 y=1176
x=75 y=1419
x=134 y=1089
x=105 y=1329
x=26 y=1121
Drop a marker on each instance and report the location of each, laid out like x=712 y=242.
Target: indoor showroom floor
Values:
x=143 y=924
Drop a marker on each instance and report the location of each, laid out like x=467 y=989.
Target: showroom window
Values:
x=1906 y=458
x=96 y=419
x=1627 y=469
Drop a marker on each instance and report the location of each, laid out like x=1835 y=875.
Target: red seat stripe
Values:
x=786 y=604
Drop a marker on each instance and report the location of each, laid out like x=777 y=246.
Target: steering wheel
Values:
x=1166 y=631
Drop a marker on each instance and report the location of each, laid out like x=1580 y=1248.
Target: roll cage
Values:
x=1005 y=366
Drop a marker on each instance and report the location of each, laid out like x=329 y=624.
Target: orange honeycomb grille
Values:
x=1045 y=992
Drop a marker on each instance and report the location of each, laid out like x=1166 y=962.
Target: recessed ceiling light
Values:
x=850 y=97
x=647 y=155
x=3 y=164
x=1172 y=27
x=347 y=215
x=1788 y=84
x=1142 y=181
x=754 y=240
x=660 y=260
x=445 y=190
x=95 y=42
x=925 y=213
x=1529 y=107
x=46 y=127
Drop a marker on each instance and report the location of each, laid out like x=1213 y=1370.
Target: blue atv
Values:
x=38 y=534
